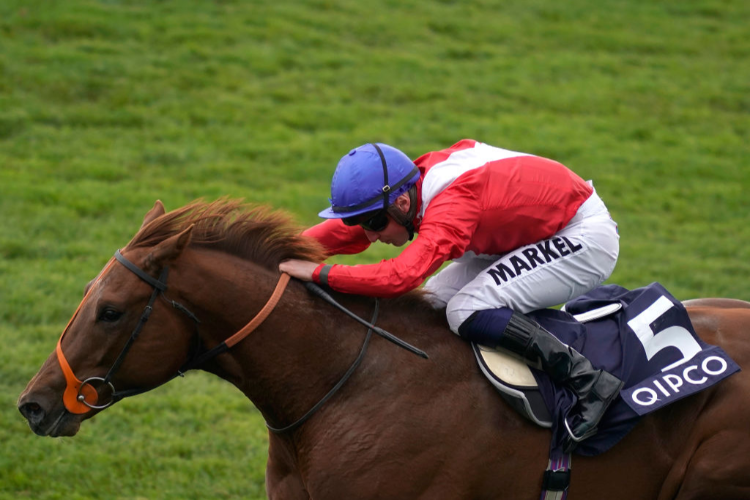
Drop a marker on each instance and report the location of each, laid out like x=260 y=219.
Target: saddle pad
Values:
x=649 y=344
x=517 y=386
x=507 y=368
x=515 y=380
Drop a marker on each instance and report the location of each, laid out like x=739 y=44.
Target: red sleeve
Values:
x=444 y=234
x=338 y=238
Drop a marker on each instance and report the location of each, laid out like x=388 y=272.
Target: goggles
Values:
x=371 y=221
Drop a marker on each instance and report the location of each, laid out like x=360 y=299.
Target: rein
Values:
x=316 y=290
x=338 y=386
x=82 y=396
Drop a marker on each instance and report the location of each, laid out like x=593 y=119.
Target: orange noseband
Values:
x=75 y=391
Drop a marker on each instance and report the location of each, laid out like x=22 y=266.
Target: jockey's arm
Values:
x=444 y=234
x=338 y=238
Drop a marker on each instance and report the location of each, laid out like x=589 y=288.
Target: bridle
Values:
x=82 y=396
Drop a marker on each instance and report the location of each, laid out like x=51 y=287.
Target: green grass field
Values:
x=106 y=106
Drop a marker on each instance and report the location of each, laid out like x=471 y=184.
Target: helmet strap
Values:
x=386 y=187
x=406 y=219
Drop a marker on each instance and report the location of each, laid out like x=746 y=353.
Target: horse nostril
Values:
x=33 y=412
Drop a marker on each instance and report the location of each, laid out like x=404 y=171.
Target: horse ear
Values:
x=155 y=212
x=168 y=250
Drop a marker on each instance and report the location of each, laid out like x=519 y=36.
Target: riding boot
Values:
x=594 y=389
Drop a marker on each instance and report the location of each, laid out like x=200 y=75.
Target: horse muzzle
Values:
x=46 y=418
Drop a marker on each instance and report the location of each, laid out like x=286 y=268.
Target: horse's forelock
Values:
x=252 y=232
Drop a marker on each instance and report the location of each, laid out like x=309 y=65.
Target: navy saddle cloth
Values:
x=649 y=343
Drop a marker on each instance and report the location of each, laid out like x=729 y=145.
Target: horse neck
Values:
x=291 y=360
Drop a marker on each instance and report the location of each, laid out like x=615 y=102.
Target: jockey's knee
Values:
x=462 y=306
x=457 y=312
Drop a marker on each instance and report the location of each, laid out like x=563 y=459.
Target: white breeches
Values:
x=575 y=260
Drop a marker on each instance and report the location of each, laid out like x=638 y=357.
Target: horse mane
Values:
x=251 y=232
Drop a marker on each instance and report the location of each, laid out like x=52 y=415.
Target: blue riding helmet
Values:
x=369 y=178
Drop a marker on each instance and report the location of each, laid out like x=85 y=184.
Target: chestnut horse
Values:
x=402 y=427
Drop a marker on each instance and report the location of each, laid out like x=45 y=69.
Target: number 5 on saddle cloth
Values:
x=643 y=337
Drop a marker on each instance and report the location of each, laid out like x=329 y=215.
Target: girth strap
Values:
x=557 y=478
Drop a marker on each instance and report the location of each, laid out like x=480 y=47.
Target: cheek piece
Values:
x=82 y=396
x=78 y=397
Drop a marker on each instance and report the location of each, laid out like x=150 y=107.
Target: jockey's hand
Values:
x=300 y=269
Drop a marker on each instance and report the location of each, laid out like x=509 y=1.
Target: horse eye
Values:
x=109 y=315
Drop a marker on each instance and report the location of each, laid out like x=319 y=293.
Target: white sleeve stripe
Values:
x=442 y=174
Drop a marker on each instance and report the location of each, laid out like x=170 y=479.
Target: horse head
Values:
x=89 y=368
x=137 y=325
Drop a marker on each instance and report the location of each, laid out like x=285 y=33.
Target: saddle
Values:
x=515 y=380
x=642 y=336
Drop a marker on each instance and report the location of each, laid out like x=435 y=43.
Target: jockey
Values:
x=523 y=232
